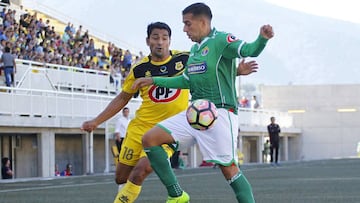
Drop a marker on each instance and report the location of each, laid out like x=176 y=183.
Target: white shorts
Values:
x=217 y=144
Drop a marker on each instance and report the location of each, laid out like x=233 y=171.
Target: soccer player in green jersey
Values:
x=209 y=74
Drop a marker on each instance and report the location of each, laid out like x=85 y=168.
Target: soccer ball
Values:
x=201 y=114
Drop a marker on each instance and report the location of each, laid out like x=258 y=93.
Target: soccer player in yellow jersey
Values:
x=158 y=104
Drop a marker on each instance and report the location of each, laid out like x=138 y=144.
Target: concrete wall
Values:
x=35 y=153
x=326 y=132
x=22 y=149
x=68 y=149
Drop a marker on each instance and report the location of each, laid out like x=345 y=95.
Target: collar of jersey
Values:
x=158 y=63
x=210 y=35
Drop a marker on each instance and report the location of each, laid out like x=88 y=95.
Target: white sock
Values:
x=121 y=186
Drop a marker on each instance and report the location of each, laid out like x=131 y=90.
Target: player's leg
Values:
x=131 y=186
x=158 y=158
x=224 y=136
x=152 y=142
x=129 y=156
x=238 y=183
x=122 y=173
x=140 y=171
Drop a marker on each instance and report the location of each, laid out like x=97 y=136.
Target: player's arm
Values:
x=9 y=172
x=172 y=82
x=279 y=131
x=114 y=107
x=255 y=48
x=169 y=82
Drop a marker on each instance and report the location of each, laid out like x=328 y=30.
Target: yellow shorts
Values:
x=132 y=149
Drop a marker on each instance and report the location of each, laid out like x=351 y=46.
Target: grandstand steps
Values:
x=60 y=26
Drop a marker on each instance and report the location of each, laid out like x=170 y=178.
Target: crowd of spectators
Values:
x=35 y=39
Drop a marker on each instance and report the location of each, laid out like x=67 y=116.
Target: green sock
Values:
x=242 y=188
x=160 y=164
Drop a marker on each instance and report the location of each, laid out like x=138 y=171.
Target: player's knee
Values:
x=146 y=141
x=148 y=170
x=120 y=180
x=229 y=171
x=156 y=137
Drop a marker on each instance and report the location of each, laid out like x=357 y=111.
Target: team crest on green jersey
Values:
x=205 y=51
x=231 y=38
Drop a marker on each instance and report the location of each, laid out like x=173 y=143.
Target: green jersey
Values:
x=211 y=68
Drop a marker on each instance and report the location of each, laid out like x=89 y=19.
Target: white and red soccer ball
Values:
x=201 y=114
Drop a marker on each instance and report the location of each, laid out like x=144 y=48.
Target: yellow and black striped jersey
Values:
x=158 y=103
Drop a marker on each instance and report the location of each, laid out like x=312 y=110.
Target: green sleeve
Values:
x=172 y=82
x=255 y=48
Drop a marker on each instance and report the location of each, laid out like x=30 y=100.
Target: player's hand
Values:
x=247 y=68
x=141 y=82
x=267 y=31
x=89 y=126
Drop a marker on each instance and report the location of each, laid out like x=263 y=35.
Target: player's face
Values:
x=159 y=43
x=192 y=27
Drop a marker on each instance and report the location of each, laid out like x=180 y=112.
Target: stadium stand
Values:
x=35 y=36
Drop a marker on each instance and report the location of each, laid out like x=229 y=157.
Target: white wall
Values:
x=326 y=133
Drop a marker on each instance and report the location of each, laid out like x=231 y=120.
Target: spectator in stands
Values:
x=141 y=55
x=102 y=51
x=33 y=39
x=2 y=13
x=78 y=33
x=111 y=48
x=6 y=171
x=254 y=103
x=67 y=27
x=244 y=102
x=127 y=63
x=67 y=171
x=67 y=36
x=9 y=66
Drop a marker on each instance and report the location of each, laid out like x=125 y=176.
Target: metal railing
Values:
x=44 y=90
x=35 y=75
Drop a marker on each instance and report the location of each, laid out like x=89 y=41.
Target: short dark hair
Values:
x=7 y=49
x=198 y=9
x=158 y=25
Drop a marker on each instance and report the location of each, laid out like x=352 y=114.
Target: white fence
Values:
x=48 y=103
x=261 y=117
x=44 y=103
x=44 y=76
x=44 y=90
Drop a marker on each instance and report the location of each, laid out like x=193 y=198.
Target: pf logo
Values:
x=163 y=94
